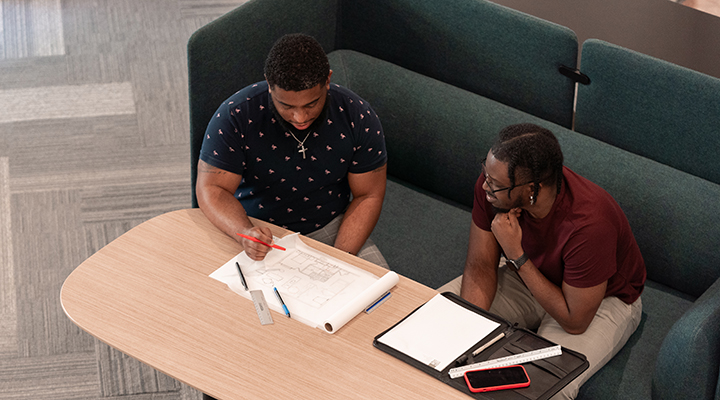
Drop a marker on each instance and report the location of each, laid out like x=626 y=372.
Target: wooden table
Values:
x=148 y=294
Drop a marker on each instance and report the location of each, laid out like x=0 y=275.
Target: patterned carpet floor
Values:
x=94 y=139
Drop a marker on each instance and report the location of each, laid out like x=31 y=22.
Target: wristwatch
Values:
x=517 y=263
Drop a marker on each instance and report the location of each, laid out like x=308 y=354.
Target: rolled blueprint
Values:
x=361 y=302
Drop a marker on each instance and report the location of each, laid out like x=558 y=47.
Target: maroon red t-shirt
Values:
x=584 y=240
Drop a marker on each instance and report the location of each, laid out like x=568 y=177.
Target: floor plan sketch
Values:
x=314 y=285
x=307 y=278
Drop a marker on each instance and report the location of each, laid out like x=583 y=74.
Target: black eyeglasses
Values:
x=489 y=181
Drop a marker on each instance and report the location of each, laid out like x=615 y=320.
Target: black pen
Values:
x=242 y=277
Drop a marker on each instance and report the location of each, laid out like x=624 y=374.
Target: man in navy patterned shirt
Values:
x=297 y=151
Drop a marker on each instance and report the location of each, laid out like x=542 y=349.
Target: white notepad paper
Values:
x=438 y=332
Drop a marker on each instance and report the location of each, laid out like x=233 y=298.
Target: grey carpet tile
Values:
x=121 y=375
x=73 y=144
x=58 y=377
x=94 y=142
x=48 y=243
x=33 y=72
x=136 y=201
x=157 y=71
x=98 y=235
x=207 y=8
x=31 y=28
x=175 y=173
x=76 y=153
x=97 y=66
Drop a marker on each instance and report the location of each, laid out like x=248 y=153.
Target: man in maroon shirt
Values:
x=571 y=267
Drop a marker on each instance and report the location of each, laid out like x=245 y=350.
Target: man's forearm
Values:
x=479 y=287
x=358 y=223
x=224 y=211
x=573 y=316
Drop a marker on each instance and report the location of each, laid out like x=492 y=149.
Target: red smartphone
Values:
x=486 y=380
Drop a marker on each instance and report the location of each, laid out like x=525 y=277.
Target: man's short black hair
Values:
x=533 y=149
x=296 y=62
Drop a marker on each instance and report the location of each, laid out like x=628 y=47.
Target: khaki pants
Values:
x=328 y=233
x=608 y=332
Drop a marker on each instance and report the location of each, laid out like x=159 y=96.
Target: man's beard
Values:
x=498 y=210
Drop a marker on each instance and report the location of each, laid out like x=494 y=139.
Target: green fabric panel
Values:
x=650 y=107
x=476 y=45
x=674 y=215
x=422 y=237
x=436 y=134
x=628 y=375
x=229 y=53
x=689 y=359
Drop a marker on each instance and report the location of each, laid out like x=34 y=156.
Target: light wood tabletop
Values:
x=148 y=294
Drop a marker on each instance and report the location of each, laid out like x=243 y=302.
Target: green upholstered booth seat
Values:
x=651 y=107
x=475 y=45
x=693 y=347
x=674 y=215
x=445 y=77
x=437 y=134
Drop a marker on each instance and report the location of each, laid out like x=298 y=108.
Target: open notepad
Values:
x=439 y=332
x=318 y=289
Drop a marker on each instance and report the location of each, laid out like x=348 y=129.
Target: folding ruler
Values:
x=514 y=359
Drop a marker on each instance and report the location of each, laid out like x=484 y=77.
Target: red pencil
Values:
x=254 y=239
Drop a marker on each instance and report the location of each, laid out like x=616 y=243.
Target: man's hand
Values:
x=257 y=251
x=508 y=233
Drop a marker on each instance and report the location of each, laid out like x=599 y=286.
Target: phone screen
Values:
x=498 y=378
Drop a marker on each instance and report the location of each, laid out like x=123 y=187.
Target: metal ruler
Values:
x=261 y=307
x=509 y=360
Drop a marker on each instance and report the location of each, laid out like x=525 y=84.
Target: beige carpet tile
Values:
x=58 y=102
x=8 y=304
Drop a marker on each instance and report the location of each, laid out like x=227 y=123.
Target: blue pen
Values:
x=281 y=302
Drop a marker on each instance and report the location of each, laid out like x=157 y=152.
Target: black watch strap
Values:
x=516 y=264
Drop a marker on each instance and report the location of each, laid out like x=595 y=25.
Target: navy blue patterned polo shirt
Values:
x=279 y=185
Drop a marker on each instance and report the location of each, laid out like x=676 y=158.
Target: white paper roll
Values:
x=361 y=302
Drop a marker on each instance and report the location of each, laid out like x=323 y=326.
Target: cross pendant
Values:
x=302 y=150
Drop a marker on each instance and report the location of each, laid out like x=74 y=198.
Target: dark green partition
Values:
x=650 y=107
x=476 y=45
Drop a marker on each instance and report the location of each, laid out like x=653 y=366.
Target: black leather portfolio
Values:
x=547 y=376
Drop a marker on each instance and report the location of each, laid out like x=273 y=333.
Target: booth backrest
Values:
x=475 y=45
x=673 y=214
x=650 y=107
